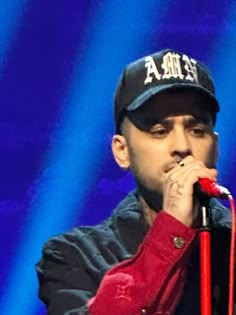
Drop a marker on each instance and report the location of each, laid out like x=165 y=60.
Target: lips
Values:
x=170 y=166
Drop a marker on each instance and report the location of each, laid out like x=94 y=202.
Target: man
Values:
x=144 y=259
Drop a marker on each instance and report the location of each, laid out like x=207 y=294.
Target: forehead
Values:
x=169 y=104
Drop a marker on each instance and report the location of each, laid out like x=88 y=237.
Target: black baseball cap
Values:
x=166 y=70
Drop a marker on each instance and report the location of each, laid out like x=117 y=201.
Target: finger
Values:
x=186 y=177
x=187 y=166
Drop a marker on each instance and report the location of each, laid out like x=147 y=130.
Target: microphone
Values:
x=207 y=188
x=212 y=189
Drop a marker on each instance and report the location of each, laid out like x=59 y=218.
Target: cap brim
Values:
x=139 y=101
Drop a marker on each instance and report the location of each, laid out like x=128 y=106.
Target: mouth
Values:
x=170 y=166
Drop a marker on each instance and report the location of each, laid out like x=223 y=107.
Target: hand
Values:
x=178 y=195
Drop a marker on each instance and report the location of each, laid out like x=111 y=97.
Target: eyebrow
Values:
x=198 y=120
x=192 y=120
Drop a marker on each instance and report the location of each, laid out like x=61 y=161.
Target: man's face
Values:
x=170 y=127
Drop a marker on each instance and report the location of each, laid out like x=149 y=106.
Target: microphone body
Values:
x=212 y=189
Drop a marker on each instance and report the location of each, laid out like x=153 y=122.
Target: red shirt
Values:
x=152 y=281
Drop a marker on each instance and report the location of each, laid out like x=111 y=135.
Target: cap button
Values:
x=179 y=242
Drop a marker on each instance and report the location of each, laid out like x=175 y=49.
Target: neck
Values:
x=149 y=214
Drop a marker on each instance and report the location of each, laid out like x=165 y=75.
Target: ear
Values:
x=120 y=151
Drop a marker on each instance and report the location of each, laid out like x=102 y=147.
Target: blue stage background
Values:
x=59 y=65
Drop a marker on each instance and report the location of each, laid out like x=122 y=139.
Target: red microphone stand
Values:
x=205 y=262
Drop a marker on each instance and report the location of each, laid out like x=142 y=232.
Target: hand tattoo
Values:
x=173 y=198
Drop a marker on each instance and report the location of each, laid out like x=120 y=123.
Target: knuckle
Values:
x=196 y=170
x=200 y=164
x=171 y=177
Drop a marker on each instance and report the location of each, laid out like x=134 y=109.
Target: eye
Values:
x=198 y=131
x=159 y=132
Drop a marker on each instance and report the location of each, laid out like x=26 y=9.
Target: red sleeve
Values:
x=153 y=279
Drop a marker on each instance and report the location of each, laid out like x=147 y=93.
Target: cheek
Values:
x=207 y=153
x=147 y=161
x=148 y=154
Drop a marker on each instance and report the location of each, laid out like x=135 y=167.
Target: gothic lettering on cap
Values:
x=190 y=67
x=173 y=66
x=151 y=70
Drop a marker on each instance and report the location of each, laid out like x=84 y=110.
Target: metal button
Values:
x=179 y=242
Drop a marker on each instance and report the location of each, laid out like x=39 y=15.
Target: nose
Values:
x=180 y=144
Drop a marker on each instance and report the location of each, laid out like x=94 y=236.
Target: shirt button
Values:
x=143 y=312
x=179 y=242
